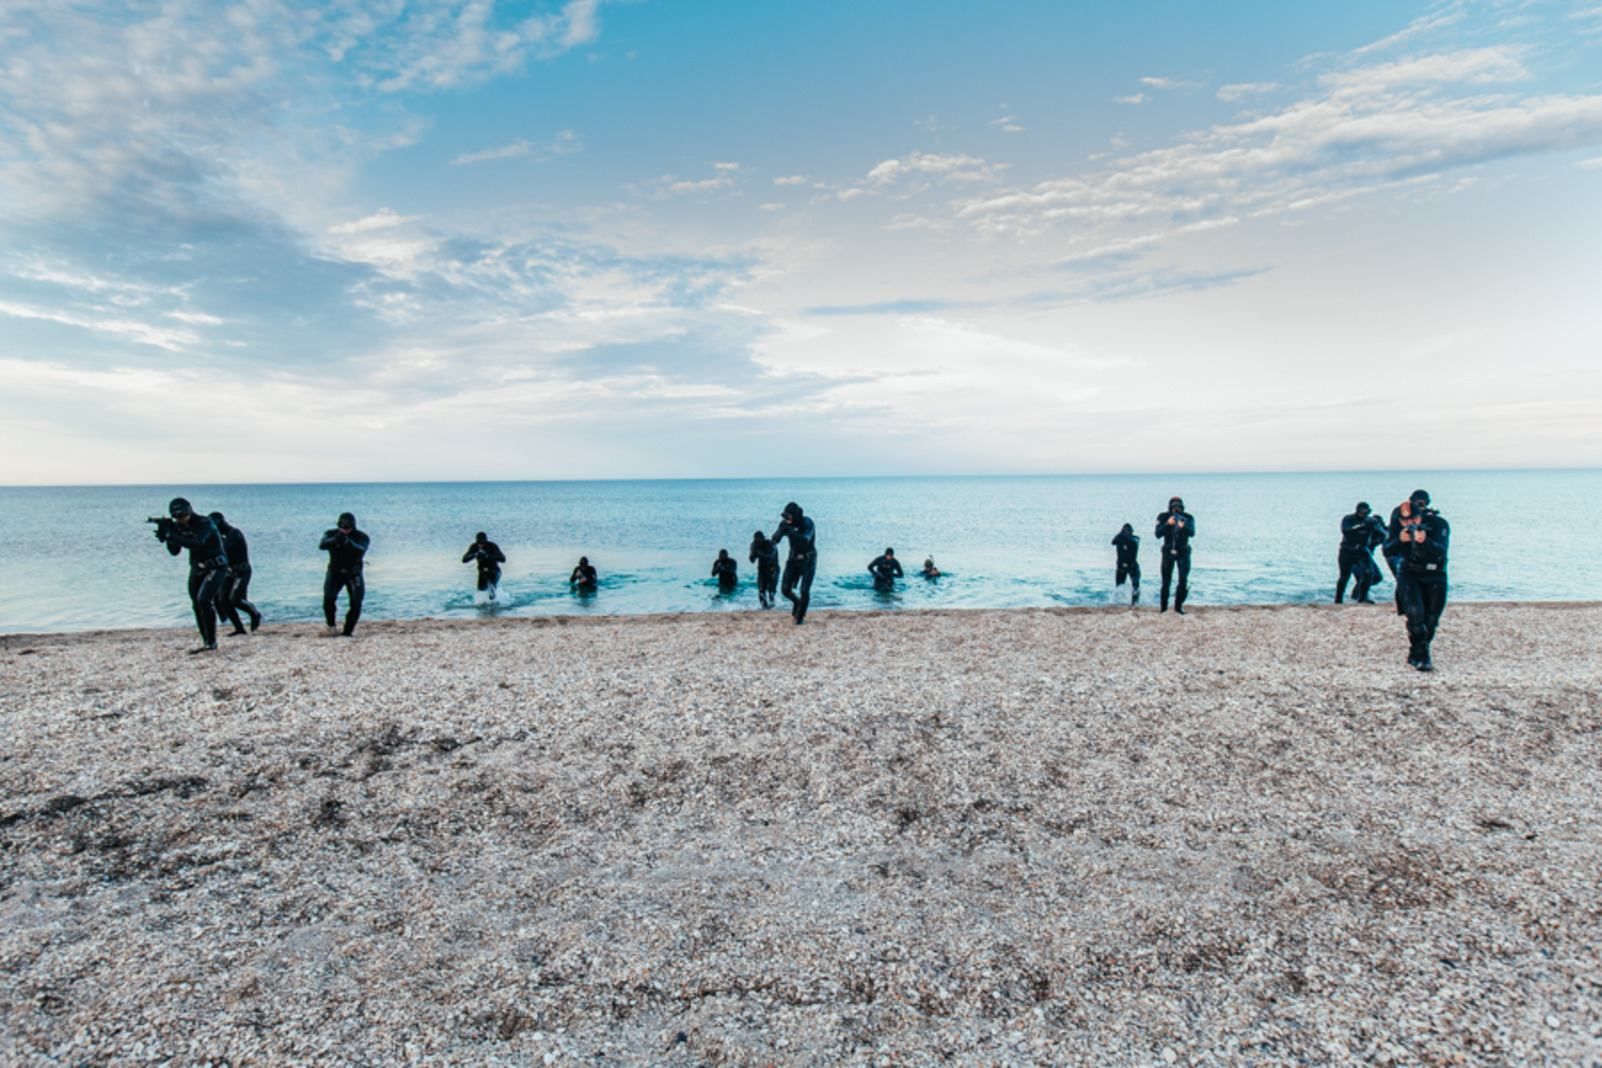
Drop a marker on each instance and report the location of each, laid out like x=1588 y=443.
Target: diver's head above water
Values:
x=584 y=561
x=481 y=537
x=347 y=522
x=1362 y=508
x=1128 y=529
x=889 y=552
x=723 y=554
x=1176 y=504
x=792 y=513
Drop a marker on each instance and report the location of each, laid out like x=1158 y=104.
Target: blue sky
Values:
x=425 y=239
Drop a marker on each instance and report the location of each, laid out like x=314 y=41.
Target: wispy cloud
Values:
x=946 y=168
x=1237 y=91
x=1132 y=98
x=1008 y=124
x=565 y=143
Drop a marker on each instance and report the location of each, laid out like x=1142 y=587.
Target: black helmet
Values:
x=889 y=551
x=792 y=511
x=1362 y=506
x=346 y=520
x=217 y=517
x=1176 y=500
x=178 y=508
x=1420 y=497
x=481 y=536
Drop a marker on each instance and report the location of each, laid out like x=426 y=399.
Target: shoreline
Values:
x=1052 y=835
x=814 y=615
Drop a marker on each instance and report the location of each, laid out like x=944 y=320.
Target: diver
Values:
x=1127 y=542
x=1175 y=527
x=801 y=566
x=232 y=597
x=1420 y=545
x=208 y=563
x=929 y=570
x=584 y=579
x=727 y=571
x=489 y=558
x=346 y=547
x=885 y=570
x=1360 y=533
x=765 y=555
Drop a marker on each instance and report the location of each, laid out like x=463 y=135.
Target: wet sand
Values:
x=1251 y=835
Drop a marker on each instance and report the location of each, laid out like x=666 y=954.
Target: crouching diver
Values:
x=1175 y=527
x=801 y=566
x=347 y=548
x=1421 y=542
x=1360 y=533
x=208 y=563
x=489 y=558
x=885 y=570
x=765 y=555
x=584 y=579
x=1127 y=542
x=237 y=585
x=727 y=571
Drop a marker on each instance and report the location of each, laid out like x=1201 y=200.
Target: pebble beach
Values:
x=1250 y=835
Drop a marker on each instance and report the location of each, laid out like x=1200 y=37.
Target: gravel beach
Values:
x=1249 y=835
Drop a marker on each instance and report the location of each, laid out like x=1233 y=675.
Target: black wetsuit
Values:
x=801 y=566
x=1393 y=556
x=490 y=558
x=584 y=578
x=765 y=555
x=1421 y=578
x=1176 y=553
x=208 y=569
x=885 y=570
x=1128 y=546
x=237 y=585
x=727 y=571
x=345 y=555
x=1359 y=535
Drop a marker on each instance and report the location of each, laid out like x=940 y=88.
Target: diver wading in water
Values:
x=765 y=555
x=727 y=571
x=885 y=570
x=489 y=558
x=1420 y=544
x=584 y=578
x=1127 y=542
x=801 y=566
x=208 y=563
x=233 y=595
x=1360 y=533
x=1175 y=527
x=347 y=550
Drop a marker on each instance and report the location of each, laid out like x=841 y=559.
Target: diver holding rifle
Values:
x=182 y=529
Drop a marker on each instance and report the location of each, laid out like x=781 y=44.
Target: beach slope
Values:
x=1248 y=835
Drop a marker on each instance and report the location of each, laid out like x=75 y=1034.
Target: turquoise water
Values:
x=82 y=558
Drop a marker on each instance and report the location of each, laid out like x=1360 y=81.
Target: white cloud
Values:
x=792 y=179
x=1477 y=66
x=1008 y=124
x=1133 y=98
x=565 y=143
x=1593 y=164
x=173 y=339
x=1241 y=90
x=950 y=168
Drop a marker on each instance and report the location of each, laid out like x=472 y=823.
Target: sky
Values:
x=434 y=239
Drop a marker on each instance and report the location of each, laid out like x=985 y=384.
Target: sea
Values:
x=83 y=558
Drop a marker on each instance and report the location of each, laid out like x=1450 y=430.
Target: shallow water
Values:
x=82 y=558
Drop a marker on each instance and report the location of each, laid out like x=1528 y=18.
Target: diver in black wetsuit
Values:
x=727 y=571
x=208 y=563
x=489 y=558
x=347 y=548
x=1420 y=545
x=929 y=570
x=801 y=566
x=1127 y=542
x=1360 y=533
x=232 y=597
x=885 y=570
x=765 y=555
x=584 y=579
x=1175 y=527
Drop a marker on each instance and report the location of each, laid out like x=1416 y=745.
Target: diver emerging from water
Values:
x=727 y=571
x=584 y=578
x=1175 y=527
x=232 y=597
x=885 y=570
x=929 y=570
x=489 y=558
x=1127 y=542
x=765 y=555
x=1420 y=543
x=347 y=552
x=801 y=566
x=1360 y=533
x=208 y=563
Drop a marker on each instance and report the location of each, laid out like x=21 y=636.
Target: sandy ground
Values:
x=1247 y=836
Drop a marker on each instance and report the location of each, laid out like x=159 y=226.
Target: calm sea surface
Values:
x=82 y=558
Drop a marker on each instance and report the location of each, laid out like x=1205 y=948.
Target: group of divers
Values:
x=1414 y=544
